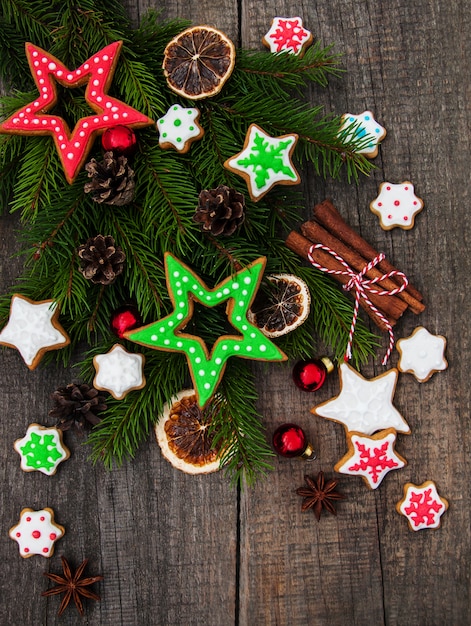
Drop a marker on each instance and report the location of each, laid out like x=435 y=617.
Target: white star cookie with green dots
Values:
x=179 y=128
x=119 y=371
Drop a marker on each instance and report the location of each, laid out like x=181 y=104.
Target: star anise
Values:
x=72 y=586
x=319 y=494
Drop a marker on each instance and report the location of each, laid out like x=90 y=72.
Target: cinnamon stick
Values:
x=301 y=246
x=326 y=213
x=317 y=234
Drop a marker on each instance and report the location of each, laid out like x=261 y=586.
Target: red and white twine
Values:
x=362 y=285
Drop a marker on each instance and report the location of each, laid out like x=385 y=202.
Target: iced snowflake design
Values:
x=41 y=449
x=396 y=205
x=422 y=354
x=363 y=127
x=371 y=457
x=287 y=34
x=422 y=506
x=179 y=127
x=36 y=532
x=265 y=161
x=363 y=405
x=119 y=371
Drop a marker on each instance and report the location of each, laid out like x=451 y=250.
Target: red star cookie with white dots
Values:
x=97 y=73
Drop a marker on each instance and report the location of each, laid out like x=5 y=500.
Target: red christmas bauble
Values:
x=310 y=375
x=289 y=440
x=119 y=139
x=125 y=318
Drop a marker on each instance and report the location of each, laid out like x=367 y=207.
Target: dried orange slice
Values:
x=281 y=306
x=198 y=61
x=183 y=436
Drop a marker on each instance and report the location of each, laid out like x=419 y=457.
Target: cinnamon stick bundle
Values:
x=329 y=229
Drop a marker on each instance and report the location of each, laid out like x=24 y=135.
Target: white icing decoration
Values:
x=366 y=126
x=30 y=328
x=422 y=354
x=364 y=405
x=36 y=532
x=179 y=127
x=119 y=371
x=427 y=492
x=396 y=205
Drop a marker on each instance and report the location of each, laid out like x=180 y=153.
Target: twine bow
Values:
x=361 y=286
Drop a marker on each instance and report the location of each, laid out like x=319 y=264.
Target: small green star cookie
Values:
x=265 y=161
x=41 y=449
x=184 y=288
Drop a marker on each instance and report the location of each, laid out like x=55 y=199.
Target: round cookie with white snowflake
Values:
x=287 y=34
x=119 y=371
x=41 y=449
x=396 y=205
x=36 y=532
x=365 y=129
x=422 y=354
x=265 y=161
x=422 y=505
x=179 y=128
x=33 y=329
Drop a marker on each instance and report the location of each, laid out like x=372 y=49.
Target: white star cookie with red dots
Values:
x=364 y=128
x=396 y=205
x=36 y=532
x=179 y=128
x=422 y=354
x=33 y=329
x=371 y=457
x=364 y=406
x=287 y=34
x=422 y=506
x=119 y=371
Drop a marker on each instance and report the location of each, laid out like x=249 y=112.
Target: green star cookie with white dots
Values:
x=184 y=287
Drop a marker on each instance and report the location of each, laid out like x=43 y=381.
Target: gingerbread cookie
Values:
x=179 y=128
x=422 y=354
x=41 y=449
x=33 y=329
x=287 y=34
x=371 y=457
x=365 y=128
x=422 y=506
x=36 y=532
x=119 y=371
x=35 y=117
x=185 y=287
x=396 y=205
x=363 y=405
x=264 y=161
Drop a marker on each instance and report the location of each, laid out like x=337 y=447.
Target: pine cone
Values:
x=101 y=260
x=220 y=211
x=112 y=180
x=76 y=406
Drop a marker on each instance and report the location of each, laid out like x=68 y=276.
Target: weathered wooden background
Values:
x=177 y=550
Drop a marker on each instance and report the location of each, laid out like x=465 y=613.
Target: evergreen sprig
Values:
x=56 y=217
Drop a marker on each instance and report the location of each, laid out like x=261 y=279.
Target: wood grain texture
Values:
x=176 y=550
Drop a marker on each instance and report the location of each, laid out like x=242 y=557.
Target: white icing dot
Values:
x=35 y=53
x=181 y=305
x=35 y=121
x=85 y=124
x=96 y=120
x=178 y=284
x=57 y=129
x=59 y=73
x=200 y=293
x=198 y=359
x=201 y=372
x=41 y=81
x=249 y=348
x=247 y=280
x=162 y=329
x=86 y=66
x=253 y=335
x=219 y=294
x=213 y=372
x=78 y=72
x=63 y=146
x=208 y=298
x=105 y=57
x=176 y=274
x=263 y=348
x=100 y=70
x=218 y=360
x=52 y=66
x=235 y=285
x=179 y=292
x=36 y=63
x=25 y=121
x=241 y=303
x=96 y=82
x=81 y=133
x=244 y=327
x=179 y=316
x=226 y=291
x=166 y=342
x=125 y=115
x=77 y=144
x=114 y=109
x=22 y=114
x=15 y=120
x=192 y=350
x=44 y=89
x=44 y=60
x=236 y=348
x=244 y=292
x=45 y=96
x=170 y=323
x=153 y=337
x=70 y=76
x=99 y=99
x=53 y=122
x=115 y=116
x=238 y=318
x=93 y=93
x=207 y=386
x=179 y=344
x=70 y=156
x=224 y=347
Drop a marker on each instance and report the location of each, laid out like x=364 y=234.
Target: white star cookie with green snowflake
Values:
x=41 y=449
x=33 y=329
x=119 y=371
x=179 y=128
x=265 y=161
x=364 y=406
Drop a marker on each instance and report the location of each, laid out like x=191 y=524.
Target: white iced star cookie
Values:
x=287 y=34
x=422 y=506
x=371 y=457
x=36 y=532
x=41 y=449
x=366 y=128
x=396 y=205
x=179 y=128
x=265 y=161
x=33 y=329
x=119 y=371
x=422 y=354
x=364 y=406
